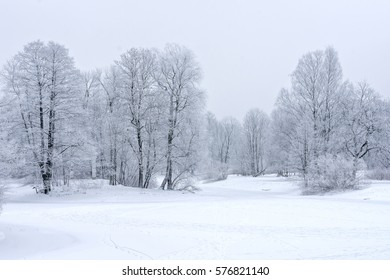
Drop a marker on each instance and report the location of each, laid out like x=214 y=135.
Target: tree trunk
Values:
x=122 y=173
x=140 y=159
x=355 y=168
x=172 y=124
x=168 y=173
x=48 y=173
x=93 y=167
x=47 y=178
x=65 y=176
x=113 y=163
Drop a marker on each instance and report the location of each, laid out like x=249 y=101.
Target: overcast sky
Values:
x=247 y=49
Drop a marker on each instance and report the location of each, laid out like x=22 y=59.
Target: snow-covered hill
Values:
x=240 y=218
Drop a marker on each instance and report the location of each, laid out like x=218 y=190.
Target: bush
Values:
x=332 y=173
x=186 y=182
x=214 y=171
x=378 y=174
x=1 y=197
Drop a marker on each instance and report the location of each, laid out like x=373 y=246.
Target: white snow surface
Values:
x=239 y=218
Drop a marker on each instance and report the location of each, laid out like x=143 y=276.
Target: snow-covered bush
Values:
x=378 y=174
x=332 y=173
x=214 y=171
x=1 y=196
x=187 y=184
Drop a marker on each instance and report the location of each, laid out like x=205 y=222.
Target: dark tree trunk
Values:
x=113 y=163
x=47 y=179
x=122 y=173
x=167 y=182
x=47 y=174
x=140 y=158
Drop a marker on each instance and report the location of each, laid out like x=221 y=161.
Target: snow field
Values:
x=239 y=218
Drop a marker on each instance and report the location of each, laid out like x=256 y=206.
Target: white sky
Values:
x=247 y=49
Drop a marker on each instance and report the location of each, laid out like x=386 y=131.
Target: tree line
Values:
x=323 y=128
x=124 y=124
x=144 y=117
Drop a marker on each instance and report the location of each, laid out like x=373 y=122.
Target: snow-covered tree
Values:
x=142 y=104
x=256 y=139
x=222 y=138
x=323 y=118
x=363 y=123
x=111 y=84
x=178 y=78
x=45 y=87
x=378 y=159
x=332 y=172
x=284 y=147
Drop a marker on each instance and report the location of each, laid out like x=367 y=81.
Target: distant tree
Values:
x=222 y=137
x=45 y=86
x=284 y=142
x=256 y=134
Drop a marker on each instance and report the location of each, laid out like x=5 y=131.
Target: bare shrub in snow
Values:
x=378 y=174
x=1 y=197
x=332 y=173
x=187 y=184
x=214 y=171
x=78 y=187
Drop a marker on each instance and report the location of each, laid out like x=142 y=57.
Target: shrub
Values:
x=378 y=174
x=214 y=171
x=332 y=173
x=1 y=197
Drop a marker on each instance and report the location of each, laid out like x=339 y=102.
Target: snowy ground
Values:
x=240 y=218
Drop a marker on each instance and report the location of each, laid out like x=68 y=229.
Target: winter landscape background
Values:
x=129 y=162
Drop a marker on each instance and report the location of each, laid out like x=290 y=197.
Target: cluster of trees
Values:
x=327 y=128
x=139 y=118
x=143 y=117
x=323 y=128
x=238 y=148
